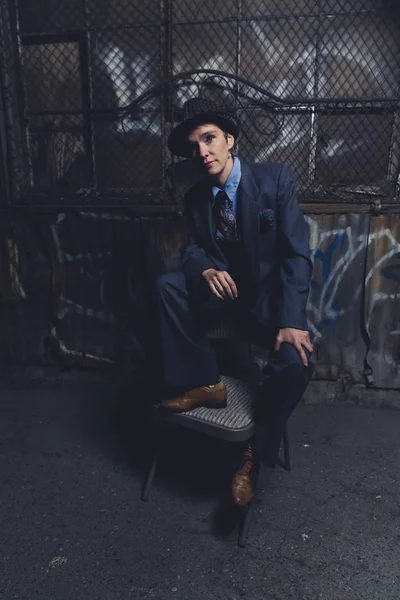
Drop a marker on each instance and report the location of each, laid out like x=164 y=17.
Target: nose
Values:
x=203 y=150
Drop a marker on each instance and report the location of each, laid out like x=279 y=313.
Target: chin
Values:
x=215 y=170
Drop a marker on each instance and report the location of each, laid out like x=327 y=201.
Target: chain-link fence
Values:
x=90 y=90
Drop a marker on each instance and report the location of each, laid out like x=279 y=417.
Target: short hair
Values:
x=226 y=133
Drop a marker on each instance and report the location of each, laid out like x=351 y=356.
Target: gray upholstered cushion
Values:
x=233 y=423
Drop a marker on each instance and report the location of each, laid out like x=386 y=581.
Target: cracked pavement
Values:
x=72 y=457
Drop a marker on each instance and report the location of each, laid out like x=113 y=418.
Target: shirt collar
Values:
x=232 y=183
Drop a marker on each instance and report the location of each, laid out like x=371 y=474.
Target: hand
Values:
x=298 y=338
x=221 y=283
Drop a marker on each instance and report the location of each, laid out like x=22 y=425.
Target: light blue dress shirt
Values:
x=231 y=185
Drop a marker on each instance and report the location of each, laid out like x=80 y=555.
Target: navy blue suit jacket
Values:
x=277 y=256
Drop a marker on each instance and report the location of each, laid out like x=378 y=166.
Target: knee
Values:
x=288 y=356
x=165 y=281
x=168 y=282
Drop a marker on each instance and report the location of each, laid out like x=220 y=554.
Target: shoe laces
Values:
x=247 y=467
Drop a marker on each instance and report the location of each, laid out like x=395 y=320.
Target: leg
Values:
x=188 y=361
x=248 y=512
x=287 y=381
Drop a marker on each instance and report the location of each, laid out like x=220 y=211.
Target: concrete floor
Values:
x=73 y=526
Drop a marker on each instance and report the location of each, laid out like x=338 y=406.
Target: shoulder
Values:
x=267 y=169
x=267 y=173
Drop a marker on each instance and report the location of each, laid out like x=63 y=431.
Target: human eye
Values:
x=209 y=138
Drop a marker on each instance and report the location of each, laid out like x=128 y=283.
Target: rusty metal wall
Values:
x=354 y=301
x=338 y=245
x=382 y=300
x=77 y=290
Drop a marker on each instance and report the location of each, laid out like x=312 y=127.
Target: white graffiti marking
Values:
x=321 y=308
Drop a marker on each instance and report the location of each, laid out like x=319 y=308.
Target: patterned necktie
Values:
x=226 y=221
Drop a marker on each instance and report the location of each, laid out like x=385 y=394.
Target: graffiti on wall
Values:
x=354 y=299
x=101 y=267
x=355 y=288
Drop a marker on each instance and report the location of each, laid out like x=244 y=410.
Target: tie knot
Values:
x=222 y=199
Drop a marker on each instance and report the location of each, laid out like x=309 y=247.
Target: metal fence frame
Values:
x=247 y=95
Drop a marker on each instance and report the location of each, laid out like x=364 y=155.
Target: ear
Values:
x=230 y=141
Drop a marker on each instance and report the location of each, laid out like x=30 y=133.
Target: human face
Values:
x=211 y=147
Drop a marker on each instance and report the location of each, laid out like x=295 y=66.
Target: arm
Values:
x=197 y=264
x=294 y=251
x=195 y=260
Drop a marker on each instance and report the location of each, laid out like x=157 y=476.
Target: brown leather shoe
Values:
x=210 y=396
x=243 y=482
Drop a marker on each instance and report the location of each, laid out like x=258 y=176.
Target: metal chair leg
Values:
x=150 y=475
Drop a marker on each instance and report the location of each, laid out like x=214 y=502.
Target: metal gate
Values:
x=91 y=87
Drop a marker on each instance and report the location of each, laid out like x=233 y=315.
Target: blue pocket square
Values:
x=267 y=218
x=267 y=214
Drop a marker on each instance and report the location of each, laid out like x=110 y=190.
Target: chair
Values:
x=235 y=423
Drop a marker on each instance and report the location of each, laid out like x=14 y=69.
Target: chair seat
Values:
x=234 y=423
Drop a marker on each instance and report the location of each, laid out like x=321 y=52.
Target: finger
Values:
x=215 y=291
x=308 y=346
x=305 y=341
x=218 y=286
x=277 y=344
x=232 y=285
x=308 y=339
x=224 y=283
x=303 y=356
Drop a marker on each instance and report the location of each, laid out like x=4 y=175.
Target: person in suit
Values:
x=247 y=253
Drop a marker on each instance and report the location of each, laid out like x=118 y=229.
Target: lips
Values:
x=209 y=164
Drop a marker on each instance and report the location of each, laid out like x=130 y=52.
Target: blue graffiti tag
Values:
x=327 y=262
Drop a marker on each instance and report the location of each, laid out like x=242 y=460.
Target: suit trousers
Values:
x=189 y=361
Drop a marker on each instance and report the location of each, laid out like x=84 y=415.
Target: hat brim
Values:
x=178 y=139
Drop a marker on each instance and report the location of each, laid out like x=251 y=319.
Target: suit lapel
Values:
x=205 y=226
x=248 y=220
x=249 y=217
